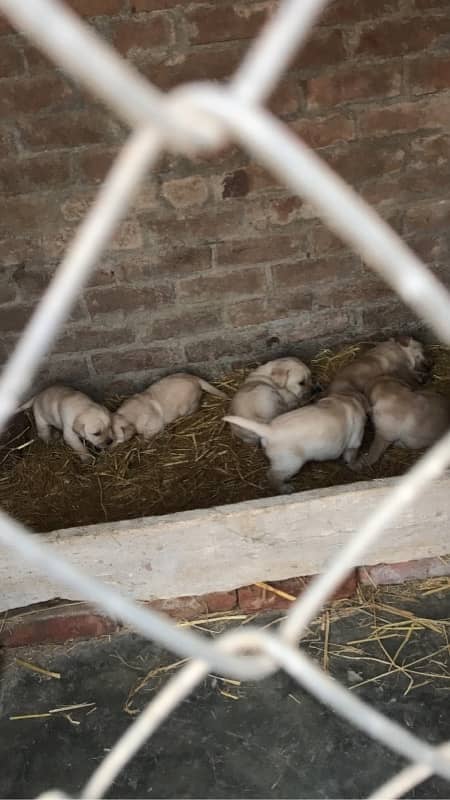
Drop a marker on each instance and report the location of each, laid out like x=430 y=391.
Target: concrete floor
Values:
x=275 y=741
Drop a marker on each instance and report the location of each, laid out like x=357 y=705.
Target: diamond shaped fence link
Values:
x=201 y=118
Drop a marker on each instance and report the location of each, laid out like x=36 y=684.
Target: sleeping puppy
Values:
x=271 y=390
x=73 y=413
x=403 y=357
x=331 y=428
x=148 y=412
x=402 y=416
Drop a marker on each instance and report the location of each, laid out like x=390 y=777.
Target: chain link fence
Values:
x=192 y=119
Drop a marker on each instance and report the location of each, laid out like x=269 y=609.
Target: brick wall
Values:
x=216 y=264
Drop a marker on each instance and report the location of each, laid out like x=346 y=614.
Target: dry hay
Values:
x=390 y=635
x=195 y=463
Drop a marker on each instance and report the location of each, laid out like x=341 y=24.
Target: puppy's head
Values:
x=293 y=375
x=415 y=357
x=123 y=430
x=95 y=426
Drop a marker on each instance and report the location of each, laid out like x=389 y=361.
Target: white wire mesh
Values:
x=193 y=119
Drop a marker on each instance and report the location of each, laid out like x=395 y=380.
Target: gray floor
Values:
x=273 y=741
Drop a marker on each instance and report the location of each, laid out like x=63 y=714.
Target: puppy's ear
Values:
x=79 y=428
x=122 y=429
x=280 y=375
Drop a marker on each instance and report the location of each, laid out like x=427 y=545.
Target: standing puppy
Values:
x=270 y=390
x=73 y=413
x=148 y=412
x=403 y=357
x=402 y=416
x=331 y=428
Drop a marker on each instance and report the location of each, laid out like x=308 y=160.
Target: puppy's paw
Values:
x=359 y=464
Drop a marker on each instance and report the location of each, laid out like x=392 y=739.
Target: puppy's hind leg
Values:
x=283 y=466
x=44 y=430
x=376 y=450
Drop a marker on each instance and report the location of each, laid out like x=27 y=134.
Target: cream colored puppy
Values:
x=402 y=416
x=271 y=390
x=73 y=413
x=402 y=357
x=331 y=428
x=148 y=412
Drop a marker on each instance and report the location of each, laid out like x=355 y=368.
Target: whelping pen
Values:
x=198 y=120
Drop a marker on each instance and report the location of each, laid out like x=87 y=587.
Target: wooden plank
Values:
x=225 y=547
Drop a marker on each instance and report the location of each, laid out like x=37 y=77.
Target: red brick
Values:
x=5 y=26
x=68 y=129
x=389 y=318
x=352 y=84
x=81 y=340
x=322 y=48
x=36 y=60
x=421 y=569
x=361 y=292
x=132 y=35
x=29 y=95
x=128 y=236
x=342 y=12
x=14 y=318
x=95 y=162
x=254 y=598
x=205 y=227
x=323 y=131
x=396 y=37
x=231 y=345
x=307 y=273
x=286 y=97
x=8 y=147
x=28 y=174
x=360 y=161
x=183 y=323
x=404 y=117
x=249 y=312
x=11 y=60
x=182 y=608
x=226 y=285
x=186 y=192
x=429 y=74
x=215 y=64
x=430 y=247
x=31 y=281
x=218 y=23
x=429 y=214
x=220 y=601
x=127 y=298
x=97 y=8
x=51 y=626
x=236 y=184
x=256 y=251
x=155 y=5
x=173 y=262
x=123 y=361
x=426 y=4
x=27 y=213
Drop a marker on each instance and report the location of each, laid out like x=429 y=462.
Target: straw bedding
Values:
x=195 y=463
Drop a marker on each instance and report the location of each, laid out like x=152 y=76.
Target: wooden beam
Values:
x=222 y=548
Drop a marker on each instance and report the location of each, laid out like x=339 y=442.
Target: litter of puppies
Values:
x=197 y=462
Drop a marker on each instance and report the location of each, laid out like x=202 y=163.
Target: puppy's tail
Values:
x=212 y=389
x=261 y=430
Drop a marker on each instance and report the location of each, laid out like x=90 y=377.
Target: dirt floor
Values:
x=195 y=463
x=267 y=739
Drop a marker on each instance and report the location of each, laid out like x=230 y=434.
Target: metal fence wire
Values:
x=192 y=119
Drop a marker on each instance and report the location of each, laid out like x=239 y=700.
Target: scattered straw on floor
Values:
x=195 y=463
x=390 y=635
